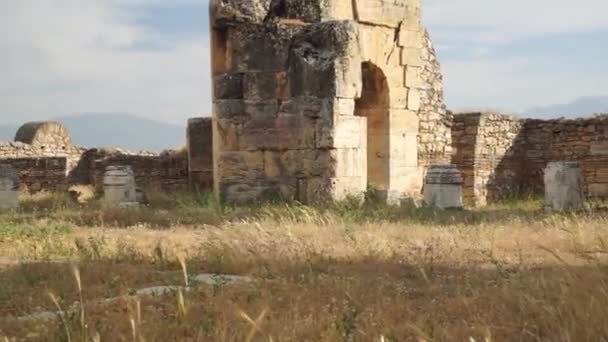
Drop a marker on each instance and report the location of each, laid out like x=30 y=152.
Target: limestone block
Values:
x=343 y=187
x=350 y=162
x=261 y=114
x=398 y=97
x=228 y=86
x=344 y=106
x=309 y=106
x=200 y=144
x=564 y=189
x=413 y=15
x=413 y=77
x=413 y=99
x=443 y=187
x=404 y=121
x=119 y=185
x=411 y=56
x=403 y=150
x=348 y=132
x=380 y=12
x=409 y=38
x=226 y=135
x=243 y=165
x=324 y=62
x=9 y=183
x=408 y=181
x=341 y=10
x=394 y=75
x=259 y=86
x=299 y=163
x=230 y=110
x=257 y=47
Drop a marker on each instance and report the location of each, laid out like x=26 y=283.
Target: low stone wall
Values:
x=165 y=172
x=501 y=155
x=40 y=174
x=46 y=160
x=581 y=140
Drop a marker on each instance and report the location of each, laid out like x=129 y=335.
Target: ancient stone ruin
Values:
x=503 y=156
x=319 y=99
x=45 y=159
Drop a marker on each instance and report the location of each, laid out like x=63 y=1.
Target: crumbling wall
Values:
x=166 y=171
x=291 y=117
x=581 y=140
x=46 y=160
x=435 y=135
x=502 y=156
x=487 y=148
x=40 y=174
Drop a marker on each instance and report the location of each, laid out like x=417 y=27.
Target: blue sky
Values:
x=150 y=57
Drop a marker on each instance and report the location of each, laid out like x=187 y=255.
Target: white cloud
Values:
x=60 y=57
x=482 y=71
x=493 y=21
x=69 y=56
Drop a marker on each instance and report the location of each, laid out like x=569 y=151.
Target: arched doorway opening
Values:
x=374 y=105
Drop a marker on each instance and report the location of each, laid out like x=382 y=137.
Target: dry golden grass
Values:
x=341 y=273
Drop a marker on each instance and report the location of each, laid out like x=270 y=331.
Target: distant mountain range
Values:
x=115 y=130
x=137 y=133
x=584 y=106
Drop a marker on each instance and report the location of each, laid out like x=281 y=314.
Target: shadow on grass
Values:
x=328 y=300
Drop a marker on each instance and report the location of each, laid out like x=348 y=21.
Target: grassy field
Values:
x=338 y=272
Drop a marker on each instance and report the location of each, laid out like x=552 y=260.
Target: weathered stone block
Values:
x=411 y=56
x=259 y=86
x=443 y=187
x=410 y=38
x=242 y=165
x=413 y=99
x=228 y=86
x=200 y=153
x=564 y=187
x=119 y=186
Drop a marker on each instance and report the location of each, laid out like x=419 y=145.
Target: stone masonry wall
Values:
x=166 y=172
x=487 y=148
x=301 y=87
x=434 y=140
x=501 y=155
x=581 y=140
x=40 y=174
x=51 y=163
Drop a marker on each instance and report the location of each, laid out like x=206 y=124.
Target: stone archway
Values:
x=374 y=104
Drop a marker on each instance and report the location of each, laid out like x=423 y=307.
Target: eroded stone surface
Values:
x=564 y=187
x=443 y=187
x=343 y=84
x=119 y=185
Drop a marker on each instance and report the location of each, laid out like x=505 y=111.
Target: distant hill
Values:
x=584 y=106
x=116 y=130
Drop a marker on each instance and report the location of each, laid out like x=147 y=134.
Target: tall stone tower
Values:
x=317 y=99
